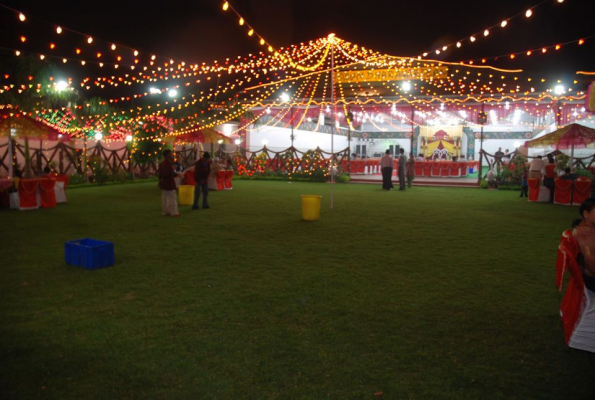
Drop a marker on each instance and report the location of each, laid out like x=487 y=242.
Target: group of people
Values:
x=538 y=169
x=406 y=170
x=167 y=174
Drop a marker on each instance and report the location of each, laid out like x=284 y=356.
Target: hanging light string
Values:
x=538 y=50
x=486 y=32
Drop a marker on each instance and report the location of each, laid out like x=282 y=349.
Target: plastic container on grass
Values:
x=186 y=195
x=89 y=253
x=310 y=207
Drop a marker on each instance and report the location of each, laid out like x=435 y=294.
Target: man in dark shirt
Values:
x=167 y=184
x=567 y=175
x=202 y=169
x=499 y=154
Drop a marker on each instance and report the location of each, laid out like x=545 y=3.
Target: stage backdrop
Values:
x=442 y=142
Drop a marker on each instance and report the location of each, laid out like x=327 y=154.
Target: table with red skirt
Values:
x=434 y=169
x=567 y=192
x=33 y=193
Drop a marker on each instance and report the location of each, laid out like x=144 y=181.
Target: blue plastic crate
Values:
x=89 y=253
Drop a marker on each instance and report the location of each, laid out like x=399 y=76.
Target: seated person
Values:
x=567 y=175
x=420 y=157
x=454 y=159
x=47 y=173
x=584 y=233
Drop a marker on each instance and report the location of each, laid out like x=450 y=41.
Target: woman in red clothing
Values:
x=549 y=180
x=584 y=233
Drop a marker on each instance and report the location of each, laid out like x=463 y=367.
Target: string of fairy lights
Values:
x=305 y=63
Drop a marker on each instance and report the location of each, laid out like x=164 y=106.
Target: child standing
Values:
x=525 y=184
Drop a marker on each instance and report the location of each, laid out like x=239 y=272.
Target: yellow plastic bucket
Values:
x=186 y=195
x=310 y=207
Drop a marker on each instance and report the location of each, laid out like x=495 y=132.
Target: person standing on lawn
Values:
x=167 y=184
x=410 y=170
x=386 y=165
x=402 y=168
x=202 y=169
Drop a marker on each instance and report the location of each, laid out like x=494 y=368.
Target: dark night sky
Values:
x=199 y=30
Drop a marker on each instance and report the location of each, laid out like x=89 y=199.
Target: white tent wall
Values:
x=278 y=139
x=491 y=145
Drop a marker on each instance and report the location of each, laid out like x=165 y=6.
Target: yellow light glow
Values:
x=241 y=22
x=528 y=13
x=503 y=23
x=472 y=38
x=225 y=6
x=58 y=30
x=251 y=32
x=22 y=17
x=89 y=40
x=261 y=41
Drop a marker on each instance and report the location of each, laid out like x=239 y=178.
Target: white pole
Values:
x=333 y=118
x=10 y=154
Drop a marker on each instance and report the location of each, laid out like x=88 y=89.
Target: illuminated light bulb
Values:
x=560 y=1
x=581 y=41
x=129 y=138
x=52 y=46
x=512 y=56
x=172 y=93
x=98 y=136
x=152 y=57
x=558 y=47
x=135 y=53
x=89 y=40
x=425 y=54
x=225 y=6
x=241 y=22
x=503 y=23
x=251 y=32
x=483 y=60
x=58 y=30
x=78 y=51
x=101 y=65
x=261 y=41
x=22 y=17
x=529 y=52
x=64 y=60
x=544 y=50
x=528 y=13
x=444 y=48
x=119 y=58
x=18 y=53
x=98 y=55
x=559 y=89
x=472 y=38
x=41 y=56
x=61 y=86
x=23 y=39
x=437 y=51
x=83 y=62
x=458 y=44
x=171 y=61
x=271 y=48
x=486 y=32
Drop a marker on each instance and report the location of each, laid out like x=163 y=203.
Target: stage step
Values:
x=466 y=183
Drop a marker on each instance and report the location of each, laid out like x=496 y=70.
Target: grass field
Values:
x=433 y=293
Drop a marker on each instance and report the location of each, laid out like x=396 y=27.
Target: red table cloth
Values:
x=563 y=192
x=47 y=193
x=28 y=193
x=582 y=191
x=534 y=189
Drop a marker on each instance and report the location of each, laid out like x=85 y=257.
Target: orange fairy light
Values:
x=581 y=41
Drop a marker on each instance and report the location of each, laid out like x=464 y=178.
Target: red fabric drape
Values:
x=28 y=193
x=463 y=168
x=221 y=180
x=454 y=170
x=570 y=308
x=563 y=192
x=582 y=191
x=47 y=193
x=189 y=177
x=228 y=176
x=534 y=189
x=435 y=168
x=445 y=169
x=419 y=169
x=427 y=168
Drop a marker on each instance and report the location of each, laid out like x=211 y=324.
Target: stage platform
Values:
x=376 y=179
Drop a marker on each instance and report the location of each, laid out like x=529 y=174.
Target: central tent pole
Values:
x=331 y=38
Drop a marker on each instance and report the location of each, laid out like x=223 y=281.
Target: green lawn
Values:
x=433 y=293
